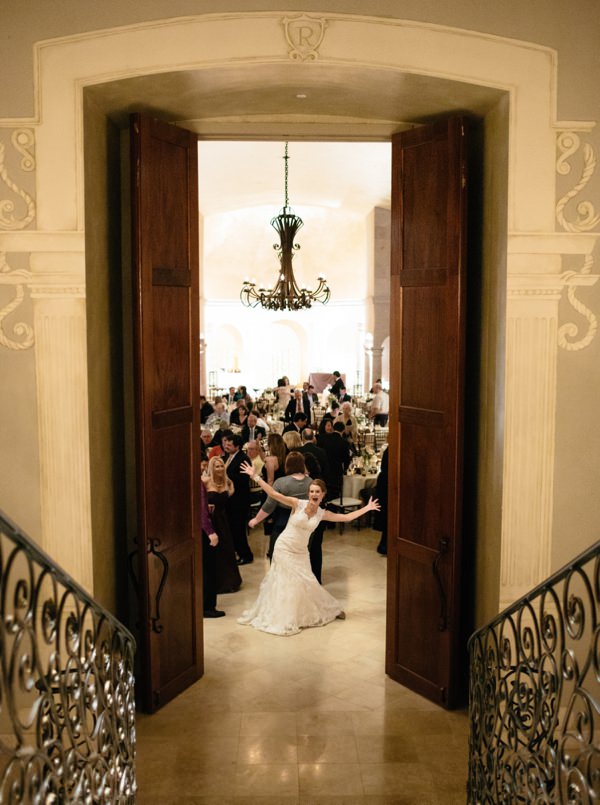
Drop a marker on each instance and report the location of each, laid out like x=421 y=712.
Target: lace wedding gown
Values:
x=290 y=598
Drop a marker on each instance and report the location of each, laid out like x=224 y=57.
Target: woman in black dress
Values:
x=218 y=488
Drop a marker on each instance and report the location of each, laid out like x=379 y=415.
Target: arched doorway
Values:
x=244 y=53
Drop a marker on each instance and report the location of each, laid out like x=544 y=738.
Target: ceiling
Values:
x=355 y=177
x=342 y=107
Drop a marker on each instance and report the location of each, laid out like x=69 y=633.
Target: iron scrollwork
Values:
x=534 y=694
x=66 y=686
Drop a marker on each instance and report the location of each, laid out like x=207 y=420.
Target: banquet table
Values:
x=354 y=483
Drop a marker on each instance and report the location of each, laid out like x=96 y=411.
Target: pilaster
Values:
x=58 y=294
x=534 y=288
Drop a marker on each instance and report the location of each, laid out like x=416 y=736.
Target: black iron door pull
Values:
x=435 y=567
x=153 y=549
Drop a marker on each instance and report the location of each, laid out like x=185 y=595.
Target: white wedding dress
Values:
x=290 y=597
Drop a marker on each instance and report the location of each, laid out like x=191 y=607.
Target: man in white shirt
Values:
x=380 y=406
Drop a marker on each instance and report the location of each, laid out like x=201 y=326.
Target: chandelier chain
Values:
x=286 y=203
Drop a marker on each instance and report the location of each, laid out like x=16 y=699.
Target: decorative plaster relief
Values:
x=568 y=145
x=22 y=141
x=304 y=35
x=24 y=332
x=573 y=279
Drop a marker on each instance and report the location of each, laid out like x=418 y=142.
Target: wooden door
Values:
x=425 y=642
x=166 y=356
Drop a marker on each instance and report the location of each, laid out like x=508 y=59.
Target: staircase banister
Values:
x=6 y=524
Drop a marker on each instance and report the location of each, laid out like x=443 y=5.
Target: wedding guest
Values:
x=238 y=415
x=275 y=458
x=251 y=429
x=337 y=384
x=219 y=488
x=283 y=393
x=218 y=448
x=350 y=423
x=339 y=456
x=299 y=404
x=382 y=494
x=296 y=483
x=206 y=438
x=298 y=423
x=210 y=540
x=292 y=440
x=206 y=409
x=219 y=413
x=239 y=502
x=380 y=406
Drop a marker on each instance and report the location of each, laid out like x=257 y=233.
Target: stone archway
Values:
x=524 y=270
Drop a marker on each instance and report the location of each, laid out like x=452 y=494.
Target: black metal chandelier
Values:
x=287 y=294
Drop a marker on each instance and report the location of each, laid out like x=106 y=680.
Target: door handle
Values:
x=435 y=568
x=153 y=549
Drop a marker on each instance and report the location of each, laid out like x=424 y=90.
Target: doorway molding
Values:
x=521 y=434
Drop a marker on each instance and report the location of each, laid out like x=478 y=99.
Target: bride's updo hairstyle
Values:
x=321 y=484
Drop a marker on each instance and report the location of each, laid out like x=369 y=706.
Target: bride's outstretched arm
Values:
x=333 y=517
x=248 y=469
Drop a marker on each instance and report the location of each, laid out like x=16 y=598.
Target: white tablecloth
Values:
x=354 y=483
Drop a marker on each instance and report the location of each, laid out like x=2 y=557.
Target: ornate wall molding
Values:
x=552 y=250
x=304 y=36
x=22 y=141
x=573 y=280
x=23 y=332
x=568 y=144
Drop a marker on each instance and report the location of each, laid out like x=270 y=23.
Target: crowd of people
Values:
x=253 y=474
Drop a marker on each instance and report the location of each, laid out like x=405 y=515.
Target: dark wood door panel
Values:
x=169 y=350
x=426 y=404
x=167 y=373
x=170 y=479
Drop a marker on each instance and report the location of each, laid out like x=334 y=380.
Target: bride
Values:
x=290 y=597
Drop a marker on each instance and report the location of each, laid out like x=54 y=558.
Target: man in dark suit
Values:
x=337 y=384
x=317 y=466
x=251 y=430
x=315 y=457
x=298 y=404
x=339 y=456
x=206 y=409
x=238 y=503
x=344 y=396
x=298 y=423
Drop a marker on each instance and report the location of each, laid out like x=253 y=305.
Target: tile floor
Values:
x=304 y=720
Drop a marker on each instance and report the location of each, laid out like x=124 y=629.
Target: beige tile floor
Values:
x=304 y=720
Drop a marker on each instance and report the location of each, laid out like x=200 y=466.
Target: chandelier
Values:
x=287 y=294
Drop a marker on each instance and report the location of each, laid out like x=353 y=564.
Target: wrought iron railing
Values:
x=535 y=694
x=67 y=710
